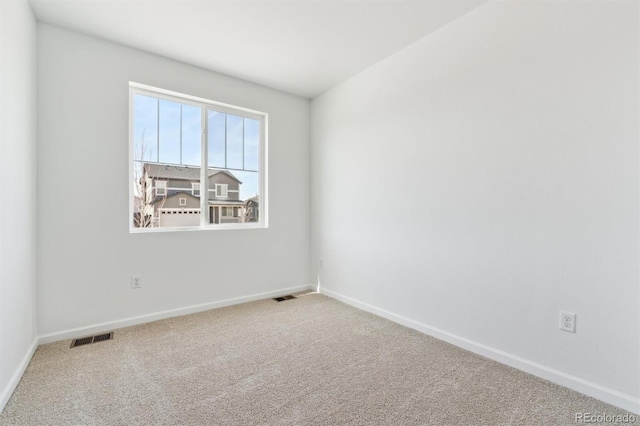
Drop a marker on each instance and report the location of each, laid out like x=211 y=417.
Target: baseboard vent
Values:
x=283 y=298
x=91 y=339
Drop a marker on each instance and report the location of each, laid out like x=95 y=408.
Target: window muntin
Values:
x=174 y=133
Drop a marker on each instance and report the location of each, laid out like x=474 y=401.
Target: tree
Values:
x=143 y=194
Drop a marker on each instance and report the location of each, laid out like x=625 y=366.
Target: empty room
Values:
x=362 y=212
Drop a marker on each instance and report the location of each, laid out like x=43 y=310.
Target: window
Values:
x=179 y=142
x=222 y=190
x=161 y=188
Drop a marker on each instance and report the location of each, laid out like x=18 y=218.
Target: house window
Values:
x=177 y=141
x=161 y=188
x=227 y=211
x=222 y=190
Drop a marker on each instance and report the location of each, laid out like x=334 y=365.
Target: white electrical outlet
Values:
x=136 y=281
x=568 y=322
x=321 y=263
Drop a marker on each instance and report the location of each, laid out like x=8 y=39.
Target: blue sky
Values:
x=163 y=142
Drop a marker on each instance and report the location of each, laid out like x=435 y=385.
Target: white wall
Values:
x=86 y=252
x=486 y=177
x=18 y=191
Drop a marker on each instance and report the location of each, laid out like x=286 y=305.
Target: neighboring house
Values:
x=252 y=209
x=176 y=195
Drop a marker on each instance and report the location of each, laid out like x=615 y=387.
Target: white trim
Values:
x=131 y=173
x=203 y=192
x=263 y=178
x=240 y=226
x=195 y=100
x=17 y=375
x=175 y=188
x=591 y=389
x=155 y=316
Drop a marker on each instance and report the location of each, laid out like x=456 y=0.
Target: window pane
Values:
x=249 y=187
x=145 y=128
x=162 y=186
x=235 y=135
x=216 y=136
x=251 y=144
x=169 y=132
x=191 y=131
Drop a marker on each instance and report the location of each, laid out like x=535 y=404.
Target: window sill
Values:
x=219 y=227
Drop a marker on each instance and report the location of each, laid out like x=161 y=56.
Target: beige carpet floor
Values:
x=306 y=361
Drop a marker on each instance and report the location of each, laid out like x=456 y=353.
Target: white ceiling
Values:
x=301 y=47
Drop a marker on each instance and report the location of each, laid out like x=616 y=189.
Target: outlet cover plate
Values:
x=136 y=281
x=568 y=321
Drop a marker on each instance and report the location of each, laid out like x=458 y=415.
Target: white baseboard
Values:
x=141 y=319
x=15 y=379
x=610 y=396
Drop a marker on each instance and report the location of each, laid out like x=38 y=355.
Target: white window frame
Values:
x=222 y=186
x=261 y=117
x=183 y=201
x=160 y=184
x=195 y=186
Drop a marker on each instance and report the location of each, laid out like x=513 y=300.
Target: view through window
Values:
x=173 y=139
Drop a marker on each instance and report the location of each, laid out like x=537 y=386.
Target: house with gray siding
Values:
x=252 y=209
x=177 y=195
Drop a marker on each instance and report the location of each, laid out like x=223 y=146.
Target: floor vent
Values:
x=91 y=339
x=283 y=298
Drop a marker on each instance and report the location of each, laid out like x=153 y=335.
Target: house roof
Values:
x=167 y=171
x=255 y=199
x=159 y=198
x=182 y=194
